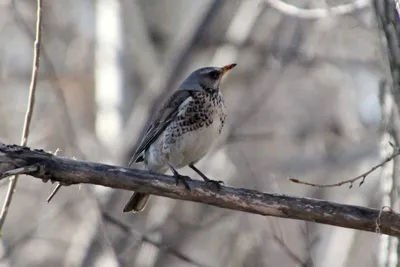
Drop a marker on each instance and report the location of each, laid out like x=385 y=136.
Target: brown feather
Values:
x=164 y=117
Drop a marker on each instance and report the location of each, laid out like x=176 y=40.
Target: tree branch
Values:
x=69 y=171
x=143 y=238
x=360 y=177
x=317 y=13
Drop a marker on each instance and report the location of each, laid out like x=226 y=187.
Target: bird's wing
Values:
x=164 y=117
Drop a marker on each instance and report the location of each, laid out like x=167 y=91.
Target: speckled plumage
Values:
x=190 y=135
x=184 y=129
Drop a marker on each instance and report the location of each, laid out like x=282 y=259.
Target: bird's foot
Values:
x=216 y=183
x=183 y=179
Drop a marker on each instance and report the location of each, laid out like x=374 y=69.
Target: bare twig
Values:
x=83 y=239
x=53 y=193
x=29 y=110
x=361 y=177
x=317 y=13
x=69 y=171
x=70 y=132
x=127 y=229
x=58 y=186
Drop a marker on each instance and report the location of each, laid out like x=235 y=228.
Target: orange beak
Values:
x=227 y=68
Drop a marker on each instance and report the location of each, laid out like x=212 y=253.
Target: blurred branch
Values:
x=317 y=13
x=390 y=121
x=67 y=122
x=70 y=131
x=23 y=235
x=145 y=56
x=361 y=177
x=387 y=18
x=289 y=252
x=69 y=171
x=29 y=110
x=90 y=240
x=127 y=229
x=311 y=243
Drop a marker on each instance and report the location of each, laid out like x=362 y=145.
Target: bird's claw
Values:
x=183 y=179
x=216 y=183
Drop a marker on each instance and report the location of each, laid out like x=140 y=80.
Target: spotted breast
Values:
x=191 y=134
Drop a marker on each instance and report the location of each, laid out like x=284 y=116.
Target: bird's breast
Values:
x=190 y=136
x=203 y=111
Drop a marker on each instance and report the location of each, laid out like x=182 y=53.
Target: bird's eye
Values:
x=214 y=74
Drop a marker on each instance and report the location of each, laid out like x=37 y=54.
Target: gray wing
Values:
x=164 y=117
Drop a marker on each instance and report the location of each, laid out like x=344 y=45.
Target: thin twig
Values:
x=29 y=110
x=70 y=131
x=58 y=186
x=361 y=177
x=317 y=13
x=127 y=229
x=54 y=192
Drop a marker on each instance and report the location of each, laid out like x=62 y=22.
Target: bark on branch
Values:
x=14 y=158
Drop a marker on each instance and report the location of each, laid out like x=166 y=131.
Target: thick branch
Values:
x=68 y=171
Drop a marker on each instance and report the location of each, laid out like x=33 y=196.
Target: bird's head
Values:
x=207 y=78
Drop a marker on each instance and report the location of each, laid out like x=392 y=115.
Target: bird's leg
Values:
x=179 y=177
x=205 y=178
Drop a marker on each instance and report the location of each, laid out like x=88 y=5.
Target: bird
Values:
x=183 y=130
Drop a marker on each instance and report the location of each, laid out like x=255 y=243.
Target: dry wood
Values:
x=69 y=171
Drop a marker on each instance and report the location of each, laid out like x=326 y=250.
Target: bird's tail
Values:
x=137 y=202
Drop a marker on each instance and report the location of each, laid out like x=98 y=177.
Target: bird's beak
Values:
x=227 y=68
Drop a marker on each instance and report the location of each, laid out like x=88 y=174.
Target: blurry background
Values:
x=303 y=102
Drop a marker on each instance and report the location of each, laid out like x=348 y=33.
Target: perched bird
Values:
x=183 y=130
